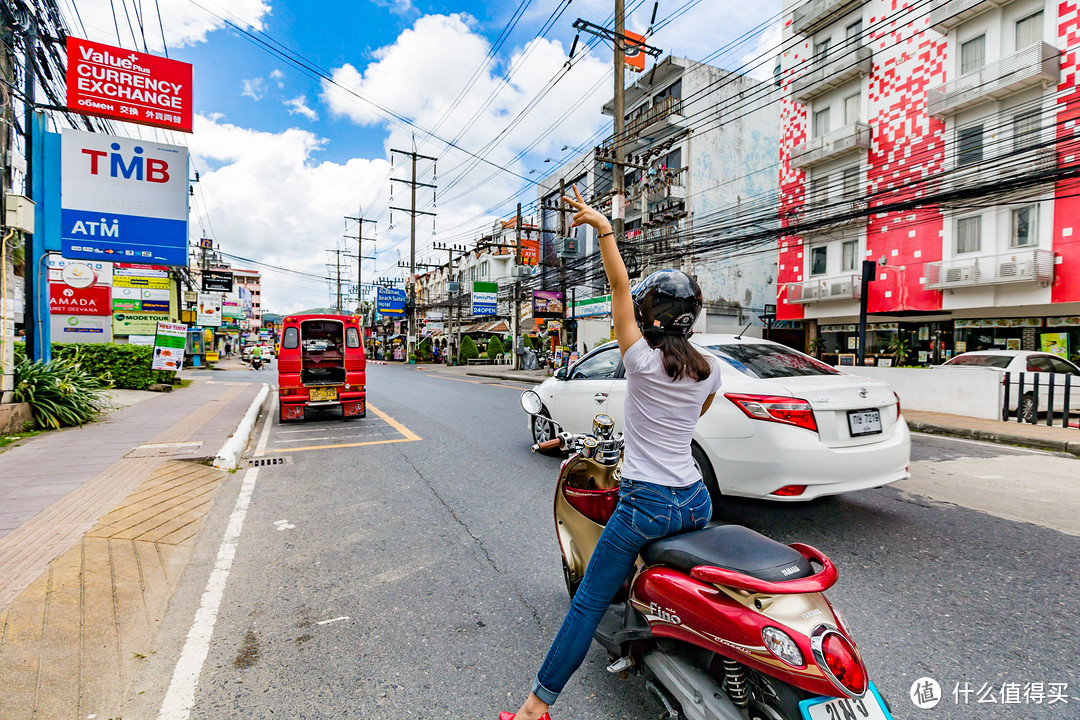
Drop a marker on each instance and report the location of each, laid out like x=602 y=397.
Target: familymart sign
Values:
x=591 y=307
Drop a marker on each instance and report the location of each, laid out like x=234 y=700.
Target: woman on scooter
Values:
x=669 y=386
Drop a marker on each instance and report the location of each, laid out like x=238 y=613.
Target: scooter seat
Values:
x=731 y=547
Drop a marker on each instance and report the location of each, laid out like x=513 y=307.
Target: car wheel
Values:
x=571 y=583
x=1027 y=408
x=542 y=429
x=701 y=462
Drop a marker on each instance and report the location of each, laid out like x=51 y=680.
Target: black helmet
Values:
x=667 y=302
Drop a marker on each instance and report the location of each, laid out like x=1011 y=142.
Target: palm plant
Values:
x=901 y=348
x=60 y=392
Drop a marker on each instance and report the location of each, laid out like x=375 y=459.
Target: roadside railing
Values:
x=1029 y=394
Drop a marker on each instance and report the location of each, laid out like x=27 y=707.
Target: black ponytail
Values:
x=681 y=359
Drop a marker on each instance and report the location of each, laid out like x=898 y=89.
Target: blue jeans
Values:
x=645 y=512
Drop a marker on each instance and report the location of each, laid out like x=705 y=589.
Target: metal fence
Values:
x=1030 y=397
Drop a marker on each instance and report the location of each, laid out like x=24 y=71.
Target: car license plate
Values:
x=868 y=707
x=864 y=422
x=329 y=393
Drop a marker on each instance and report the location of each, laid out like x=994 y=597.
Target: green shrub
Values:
x=124 y=366
x=424 y=351
x=60 y=392
x=468 y=350
x=494 y=348
x=529 y=343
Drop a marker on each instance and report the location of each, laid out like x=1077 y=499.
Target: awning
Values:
x=497 y=326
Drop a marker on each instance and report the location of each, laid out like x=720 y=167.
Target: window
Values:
x=854 y=32
x=601 y=365
x=851 y=182
x=819 y=190
x=970 y=145
x=851 y=250
x=968 y=234
x=770 y=361
x=1038 y=363
x=821 y=50
x=1029 y=30
x=1026 y=129
x=972 y=54
x=674 y=90
x=819 y=257
x=821 y=122
x=975 y=360
x=291 y=340
x=852 y=105
x=1061 y=366
x=1023 y=226
x=352 y=337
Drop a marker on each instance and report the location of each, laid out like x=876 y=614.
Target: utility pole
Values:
x=450 y=250
x=410 y=287
x=337 y=273
x=564 y=232
x=515 y=318
x=618 y=200
x=360 y=258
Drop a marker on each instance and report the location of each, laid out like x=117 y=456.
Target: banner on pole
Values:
x=169 y=344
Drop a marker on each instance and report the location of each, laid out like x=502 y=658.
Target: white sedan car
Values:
x=784 y=426
x=1042 y=372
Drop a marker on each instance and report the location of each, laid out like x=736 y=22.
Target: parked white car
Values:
x=1041 y=372
x=784 y=426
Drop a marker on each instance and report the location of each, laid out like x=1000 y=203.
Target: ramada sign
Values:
x=66 y=300
x=125 y=85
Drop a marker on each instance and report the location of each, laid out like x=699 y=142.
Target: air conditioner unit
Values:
x=959 y=274
x=840 y=289
x=1007 y=269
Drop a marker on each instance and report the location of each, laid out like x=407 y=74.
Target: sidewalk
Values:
x=96 y=527
x=498 y=372
x=1058 y=439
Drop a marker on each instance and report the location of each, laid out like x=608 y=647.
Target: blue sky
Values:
x=285 y=156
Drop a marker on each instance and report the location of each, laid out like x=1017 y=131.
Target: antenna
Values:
x=739 y=336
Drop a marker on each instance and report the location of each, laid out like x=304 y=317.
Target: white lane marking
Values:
x=983 y=443
x=283 y=525
x=330 y=437
x=332 y=620
x=180 y=697
x=264 y=438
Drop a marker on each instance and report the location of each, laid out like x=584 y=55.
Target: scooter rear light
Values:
x=790 y=491
x=837 y=657
x=778 y=409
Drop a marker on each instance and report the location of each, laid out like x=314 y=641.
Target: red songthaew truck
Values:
x=321 y=364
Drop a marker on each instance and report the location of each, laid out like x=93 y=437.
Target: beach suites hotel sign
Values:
x=124 y=85
x=123 y=200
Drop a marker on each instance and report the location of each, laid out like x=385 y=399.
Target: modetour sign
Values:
x=131 y=86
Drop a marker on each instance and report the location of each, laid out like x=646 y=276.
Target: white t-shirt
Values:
x=661 y=414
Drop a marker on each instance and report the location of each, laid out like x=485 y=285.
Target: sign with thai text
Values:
x=169 y=341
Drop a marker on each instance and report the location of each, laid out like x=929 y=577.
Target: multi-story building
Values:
x=934 y=139
x=703 y=141
x=249 y=288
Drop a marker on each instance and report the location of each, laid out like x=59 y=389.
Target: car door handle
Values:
x=599 y=398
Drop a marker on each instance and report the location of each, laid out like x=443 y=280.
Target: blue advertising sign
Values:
x=390 y=301
x=123 y=199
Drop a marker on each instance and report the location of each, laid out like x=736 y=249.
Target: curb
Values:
x=1072 y=448
x=229 y=454
x=534 y=381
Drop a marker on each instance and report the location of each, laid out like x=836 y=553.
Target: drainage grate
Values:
x=263 y=462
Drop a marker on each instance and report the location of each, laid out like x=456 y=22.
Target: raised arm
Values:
x=622 y=306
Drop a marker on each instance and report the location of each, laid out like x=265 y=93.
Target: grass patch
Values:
x=9 y=439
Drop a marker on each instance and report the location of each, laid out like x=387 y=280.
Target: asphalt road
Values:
x=381 y=576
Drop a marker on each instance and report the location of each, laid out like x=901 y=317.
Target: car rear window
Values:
x=770 y=361
x=990 y=361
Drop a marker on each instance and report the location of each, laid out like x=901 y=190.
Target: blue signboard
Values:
x=485 y=298
x=390 y=301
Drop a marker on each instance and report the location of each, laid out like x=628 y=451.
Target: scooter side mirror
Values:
x=530 y=402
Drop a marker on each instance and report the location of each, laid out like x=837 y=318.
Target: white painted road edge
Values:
x=180 y=697
x=229 y=454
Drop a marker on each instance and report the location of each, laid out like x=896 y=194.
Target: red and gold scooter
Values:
x=723 y=623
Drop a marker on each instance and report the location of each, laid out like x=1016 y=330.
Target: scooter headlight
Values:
x=782 y=646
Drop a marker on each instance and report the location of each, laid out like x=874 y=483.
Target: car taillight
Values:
x=790 y=490
x=771 y=408
x=836 y=655
x=897 y=405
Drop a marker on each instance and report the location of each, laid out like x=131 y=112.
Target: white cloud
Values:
x=278 y=76
x=398 y=7
x=184 y=23
x=254 y=88
x=299 y=106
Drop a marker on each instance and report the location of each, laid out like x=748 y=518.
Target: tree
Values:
x=468 y=350
x=494 y=347
x=529 y=343
x=423 y=351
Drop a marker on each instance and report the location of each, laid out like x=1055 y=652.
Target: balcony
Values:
x=661 y=117
x=1018 y=266
x=845 y=287
x=850 y=138
x=826 y=73
x=659 y=188
x=1033 y=66
x=816 y=14
x=1005 y=166
x=947 y=14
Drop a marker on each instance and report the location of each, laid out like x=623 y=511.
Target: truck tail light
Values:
x=772 y=408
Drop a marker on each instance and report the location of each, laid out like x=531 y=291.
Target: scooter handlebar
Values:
x=818 y=582
x=553 y=444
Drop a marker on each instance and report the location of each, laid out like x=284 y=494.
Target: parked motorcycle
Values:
x=723 y=623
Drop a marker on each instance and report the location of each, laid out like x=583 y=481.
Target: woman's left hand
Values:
x=586 y=215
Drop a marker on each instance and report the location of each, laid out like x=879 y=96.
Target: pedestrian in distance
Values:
x=669 y=385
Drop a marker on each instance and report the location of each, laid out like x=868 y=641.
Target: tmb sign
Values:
x=217 y=281
x=135 y=87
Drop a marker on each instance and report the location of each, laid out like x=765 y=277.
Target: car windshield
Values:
x=990 y=361
x=770 y=361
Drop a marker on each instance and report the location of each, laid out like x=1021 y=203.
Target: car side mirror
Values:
x=560 y=374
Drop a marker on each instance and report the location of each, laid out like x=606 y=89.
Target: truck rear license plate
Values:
x=329 y=393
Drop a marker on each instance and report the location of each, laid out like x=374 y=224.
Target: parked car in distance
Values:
x=1041 y=372
x=784 y=426
x=267 y=353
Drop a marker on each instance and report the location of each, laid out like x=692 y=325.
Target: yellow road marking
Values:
x=409 y=436
x=479 y=382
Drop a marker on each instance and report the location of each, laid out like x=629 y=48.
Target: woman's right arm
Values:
x=622 y=304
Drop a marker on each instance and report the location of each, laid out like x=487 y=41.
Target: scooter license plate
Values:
x=868 y=707
x=329 y=393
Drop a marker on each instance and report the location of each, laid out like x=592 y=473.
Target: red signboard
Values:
x=125 y=85
x=66 y=300
x=633 y=55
